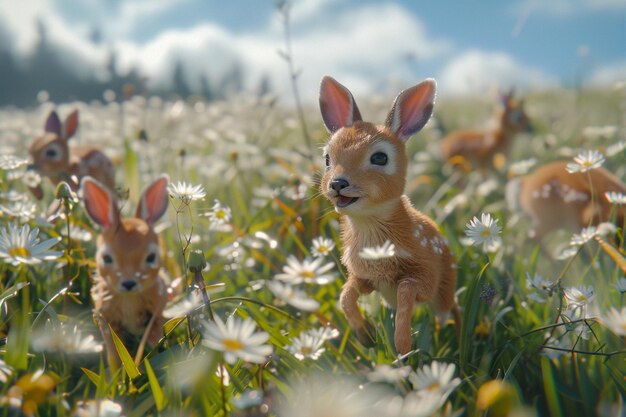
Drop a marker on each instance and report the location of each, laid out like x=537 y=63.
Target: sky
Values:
x=469 y=47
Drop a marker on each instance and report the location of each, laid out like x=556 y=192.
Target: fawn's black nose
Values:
x=339 y=184
x=129 y=285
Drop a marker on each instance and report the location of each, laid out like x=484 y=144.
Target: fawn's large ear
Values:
x=100 y=205
x=412 y=108
x=53 y=123
x=337 y=105
x=71 y=124
x=154 y=201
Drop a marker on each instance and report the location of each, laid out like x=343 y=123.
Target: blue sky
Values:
x=470 y=47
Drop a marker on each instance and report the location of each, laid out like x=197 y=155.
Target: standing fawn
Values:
x=483 y=149
x=129 y=291
x=556 y=199
x=366 y=167
x=53 y=158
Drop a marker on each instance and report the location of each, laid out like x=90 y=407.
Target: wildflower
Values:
x=23 y=210
x=436 y=377
x=294 y=297
x=186 y=192
x=11 y=162
x=615 y=197
x=497 y=398
x=22 y=246
x=578 y=297
x=414 y=404
x=307 y=271
x=585 y=235
x=615 y=320
x=307 y=345
x=585 y=161
x=487 y=294
x=31 y=390
x=615 y=148
x=326 y=332
x=620 y=285
x=522 y=167
x=105 y=408
x=484 y=231
x=566 y=253
x=184 y=306
x=322 y=246
x=219 y=214
x=387 y=250
x=31 y=178
x=62 y=337
x=545 y=288
x=237 y=339
x=390 y=374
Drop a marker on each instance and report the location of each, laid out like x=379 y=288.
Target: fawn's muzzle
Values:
x=339 y=184
x=128 y=285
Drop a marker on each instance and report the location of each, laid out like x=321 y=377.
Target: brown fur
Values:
x=556 y=199
x=129 y=288
x=423 y=269
x=479 y=148
x=69 y=165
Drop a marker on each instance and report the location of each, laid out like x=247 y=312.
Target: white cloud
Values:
x=609 y=75
x=476 y=72
x=565 y=8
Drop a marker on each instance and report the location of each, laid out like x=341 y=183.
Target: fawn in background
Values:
x=487 y=149
x=129 y=290
x=556 y=199
x=366 y=167
x=53 y=158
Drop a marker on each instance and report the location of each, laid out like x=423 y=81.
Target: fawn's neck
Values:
x=387 y=220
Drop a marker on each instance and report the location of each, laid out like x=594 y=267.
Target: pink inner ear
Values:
x=71 y=124
x=154 y=201
x=412 y=109
x=98 y=203
x=337 y=105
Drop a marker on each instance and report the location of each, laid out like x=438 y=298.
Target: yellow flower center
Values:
x=307 y=274
x=232 y=344
x=220 y=214
x=485 y=233
x=433 y=387
x=306 y=350
x=19 y=251
x=323 y=248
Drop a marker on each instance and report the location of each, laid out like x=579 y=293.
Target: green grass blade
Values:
x=470 y=316
x=157 y=392
x=550 y=388
x=127 y=361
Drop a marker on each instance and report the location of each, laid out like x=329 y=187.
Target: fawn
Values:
x=555 y=198
x=484 y=149
x=366 y=167
x=53 y=158
x=129 y=291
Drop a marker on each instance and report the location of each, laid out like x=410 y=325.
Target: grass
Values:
x=249 y=155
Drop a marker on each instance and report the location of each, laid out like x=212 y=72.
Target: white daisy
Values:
x=22 y=245
x=307 y=345
x=615 y=197
x=219 y=215
x=308 y=271
x=615 y=148
x=104 y=408
x=184 y=306
x=522 y=167
x=620 y=285
x=237 y=339
x=484 y=231
x=386 y=250
x=389 y=374
x=322 y=246
x=436 y=377
x=62 y=337
x=545 y=288
x=615 y=320
x=326 y=332
x=585 y=161
x=186 y=192
x=415 y=404
x=11 y=162
x=294 y=297
x=23 y=210
x=578 y=297
x=31 y=178
x=585 y=235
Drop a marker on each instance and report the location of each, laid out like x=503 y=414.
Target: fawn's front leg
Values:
x=350 y=294
x=407 y=292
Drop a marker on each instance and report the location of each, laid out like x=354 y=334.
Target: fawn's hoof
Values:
x=366 y=334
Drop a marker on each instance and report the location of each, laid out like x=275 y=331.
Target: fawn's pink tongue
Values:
x=343 y=201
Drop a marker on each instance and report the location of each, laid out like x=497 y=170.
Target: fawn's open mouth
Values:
x=343 y=201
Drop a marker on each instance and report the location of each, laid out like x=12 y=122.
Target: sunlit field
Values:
x=542 y=325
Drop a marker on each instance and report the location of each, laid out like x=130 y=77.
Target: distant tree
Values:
x=180 y=83
x=205 y=88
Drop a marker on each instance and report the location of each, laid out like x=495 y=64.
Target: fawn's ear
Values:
x=154 y=200
x=99 y=204
x=337 y=105
x=53 y=123
x=412 y=108
x=71 y=124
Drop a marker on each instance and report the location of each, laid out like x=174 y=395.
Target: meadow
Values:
x=537 y=336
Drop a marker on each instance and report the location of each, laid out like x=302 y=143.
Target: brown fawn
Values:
x=366 y=167
x=129 y=290
x=53 y=158
x=556 y=199
x=483 y=149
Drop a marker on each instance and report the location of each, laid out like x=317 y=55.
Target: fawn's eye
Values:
x=52 y=152
x=327 y=157
x=107 y=259
x=379 y=158
x=151 y=258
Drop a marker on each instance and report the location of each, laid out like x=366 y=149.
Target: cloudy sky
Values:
x=469 y=47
